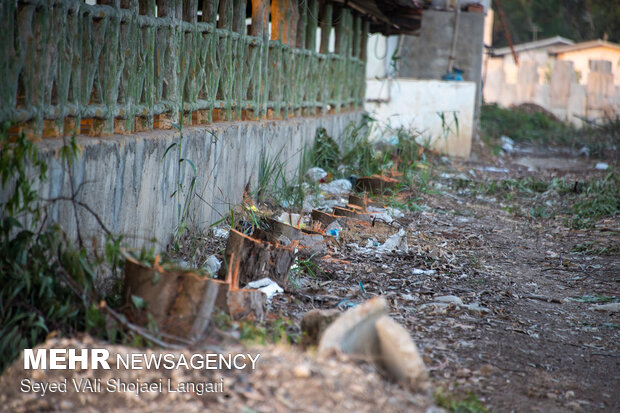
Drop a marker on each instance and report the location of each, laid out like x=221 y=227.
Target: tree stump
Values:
x=156 y=287
x=256 y=259
x=311 y=240
x=323 y=217
x=376 y=184
x=360 y=201
x=351 y=213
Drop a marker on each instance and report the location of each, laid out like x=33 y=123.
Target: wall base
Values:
x=128 y=182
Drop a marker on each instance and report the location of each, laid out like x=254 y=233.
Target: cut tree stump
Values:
x=311 y=240
x=323 y=217
x=256 y=259
x=360 y=201
x=376 y=184
x=364 y=202
x=156 y=287
x=352 y=213
x=189 y=301
x=182 y=303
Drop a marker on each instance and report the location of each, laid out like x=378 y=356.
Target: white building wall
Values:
x=441 y=113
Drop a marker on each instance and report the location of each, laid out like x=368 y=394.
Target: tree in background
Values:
x=578 y=20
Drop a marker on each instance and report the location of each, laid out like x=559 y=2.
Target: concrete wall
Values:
x=129 y=184
x=427 y=56
x=555 y=85
x=418 y=105
x=581 y=61
x=379 y=52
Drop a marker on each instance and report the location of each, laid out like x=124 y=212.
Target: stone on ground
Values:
x=354 y=331
x=399 y=354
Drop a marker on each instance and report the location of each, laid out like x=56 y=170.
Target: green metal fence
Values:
x=129 y=65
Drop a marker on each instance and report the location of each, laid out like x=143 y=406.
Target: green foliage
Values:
x=449 y=124
x=602 y=139
x=14 y=164
x=599 y=198
x=578 y=20
x=325 y=151
x=596 y=298
x=307 y=267
x=274 y=184
x=583 y=203
x=592 y=248
x=521 y=125
x=268 y=168
x=279 y=330
x=359 y=154
x=470 y=404
x=47 y=282
x=184 y=195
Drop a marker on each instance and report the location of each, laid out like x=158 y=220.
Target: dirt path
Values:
x=522 y=334
x=497 y=290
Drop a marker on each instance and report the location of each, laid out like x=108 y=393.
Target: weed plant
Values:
x=602 y=139
x=48 y=283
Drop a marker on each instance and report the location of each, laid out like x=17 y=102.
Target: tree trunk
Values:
x=248 y=259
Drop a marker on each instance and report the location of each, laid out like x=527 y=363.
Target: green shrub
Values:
x=47 y=282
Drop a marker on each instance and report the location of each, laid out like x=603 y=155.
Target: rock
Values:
x=612 y=307
x=486 y=369
x=495 y=170
x=314 y=323
x=449 y=299
x=302 y=371
x=463 y=373
x=354 y=331
x=399 y=354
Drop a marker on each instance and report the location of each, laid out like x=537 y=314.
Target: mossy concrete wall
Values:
x=128 y=182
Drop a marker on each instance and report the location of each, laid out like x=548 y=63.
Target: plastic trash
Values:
x=383 y=217
x=494 y=169
x=339 y=186
x=333 y=229
x=220 y=232
x=602 y=166
x=267 y=286
x=449 y=299
x=396 y=242
x=584 y=151
x=418 y=271
x=315 y=174
x=212 y=265
x=508 y=145
x=332 y=232
x=395 y=212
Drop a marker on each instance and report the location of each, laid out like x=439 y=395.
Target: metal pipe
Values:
x=454 y=36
